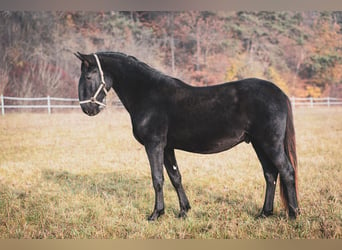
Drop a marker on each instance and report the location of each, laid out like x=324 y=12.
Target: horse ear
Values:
x=79 y=56
x=86 y=59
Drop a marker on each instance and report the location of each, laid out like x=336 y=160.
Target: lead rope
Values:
x=101 y=87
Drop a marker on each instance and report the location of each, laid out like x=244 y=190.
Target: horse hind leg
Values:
x=271 y=175
x=277 y=156
x=288 y=187
x=176 y=180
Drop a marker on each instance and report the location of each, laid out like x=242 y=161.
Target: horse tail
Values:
x=290 y=150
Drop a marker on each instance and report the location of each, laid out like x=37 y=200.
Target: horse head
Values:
x=92 y=87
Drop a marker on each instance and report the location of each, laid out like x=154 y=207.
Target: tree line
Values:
x=299 y=51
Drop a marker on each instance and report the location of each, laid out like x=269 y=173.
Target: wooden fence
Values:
x=43 y=103
x=49 y=103
x=314 y=102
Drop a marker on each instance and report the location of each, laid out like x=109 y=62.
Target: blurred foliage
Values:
x=298 y=51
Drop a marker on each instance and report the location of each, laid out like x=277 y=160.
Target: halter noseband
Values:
x=101 y=87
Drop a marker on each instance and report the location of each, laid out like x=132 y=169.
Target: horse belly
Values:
x=207 y=143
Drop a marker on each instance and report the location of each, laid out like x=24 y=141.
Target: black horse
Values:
x=168 y=114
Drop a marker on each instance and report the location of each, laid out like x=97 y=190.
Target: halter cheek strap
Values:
x=101 y=87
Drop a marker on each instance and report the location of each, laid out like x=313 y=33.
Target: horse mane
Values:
x=142 y=66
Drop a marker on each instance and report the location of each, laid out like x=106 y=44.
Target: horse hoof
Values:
x=183 y=211
x=264 y=215
x=155 y=215
x=182 y=215
x=294 y=214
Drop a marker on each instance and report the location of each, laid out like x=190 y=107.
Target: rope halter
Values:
x=101 y=87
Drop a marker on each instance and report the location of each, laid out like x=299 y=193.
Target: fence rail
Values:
x=48 y=105
x=314 y=102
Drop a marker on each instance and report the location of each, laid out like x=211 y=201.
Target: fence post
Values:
x=311 y=102
x=293 y=101
x=49 y=104
x=328 y=101
x=2 y=105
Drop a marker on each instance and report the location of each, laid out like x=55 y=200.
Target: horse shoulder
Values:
x=150 y=125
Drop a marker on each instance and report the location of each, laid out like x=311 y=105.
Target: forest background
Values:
x=299 y=51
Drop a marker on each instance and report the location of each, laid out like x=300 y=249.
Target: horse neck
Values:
x=130 y=84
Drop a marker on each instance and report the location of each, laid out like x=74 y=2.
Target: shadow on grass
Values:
x=226 y=205
x=98 y=184
x=125 y=187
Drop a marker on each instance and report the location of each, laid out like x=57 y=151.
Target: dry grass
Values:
x=73 y=176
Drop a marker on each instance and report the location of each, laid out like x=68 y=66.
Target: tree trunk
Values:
x=172 y=42
x=198 y=46
x=299 y=63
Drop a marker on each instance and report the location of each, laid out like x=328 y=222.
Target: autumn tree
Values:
x=322 y=68
x=299 y=51
x=200 y=33
x=163 y=25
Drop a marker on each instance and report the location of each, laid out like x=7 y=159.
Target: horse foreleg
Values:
x=176 y=180
x=155 y=153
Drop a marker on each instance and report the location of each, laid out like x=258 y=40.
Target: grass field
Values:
x=73 y=176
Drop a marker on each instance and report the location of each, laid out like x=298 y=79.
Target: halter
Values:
x=101 y=87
